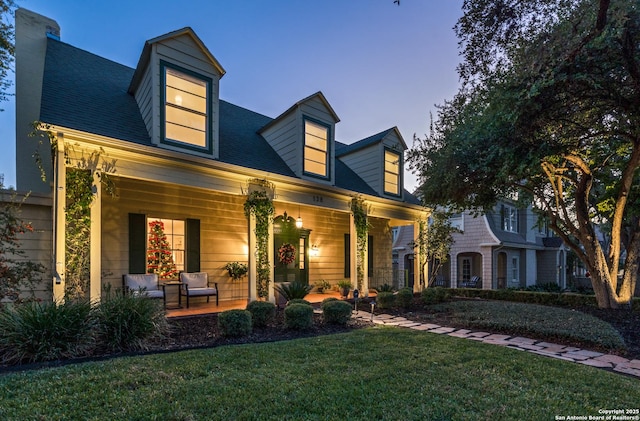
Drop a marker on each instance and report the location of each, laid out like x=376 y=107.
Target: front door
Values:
x=291 y=251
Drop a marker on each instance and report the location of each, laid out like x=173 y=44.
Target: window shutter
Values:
x=193 y=245
x=347 y=256
x=137 y=243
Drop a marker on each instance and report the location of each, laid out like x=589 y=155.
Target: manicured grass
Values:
x=380 y=373
x=532 y=320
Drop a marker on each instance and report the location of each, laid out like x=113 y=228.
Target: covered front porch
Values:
x=202 y=307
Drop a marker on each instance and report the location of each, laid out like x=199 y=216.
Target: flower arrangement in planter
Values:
x=236 y=270
x=286 y=254
x=322 y=286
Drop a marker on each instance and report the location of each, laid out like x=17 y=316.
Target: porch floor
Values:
x=197 y=307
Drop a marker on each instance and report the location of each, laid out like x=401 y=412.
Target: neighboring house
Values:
x=504 y=248
x=186 y=158
x=403 y=254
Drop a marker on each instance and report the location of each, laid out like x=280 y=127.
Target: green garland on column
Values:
x=359 y=210
x=260 y=205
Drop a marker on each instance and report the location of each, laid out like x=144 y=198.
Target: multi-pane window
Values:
x=185 y=108
x=165 y=247
x=515 y=269
x=391 y=172
x=315 y=148
x=509 y=219
x=466 y=269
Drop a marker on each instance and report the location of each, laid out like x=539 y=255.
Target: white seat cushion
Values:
x=195 y=279
x=151 y=293
x=194 y=292
x=148 y=281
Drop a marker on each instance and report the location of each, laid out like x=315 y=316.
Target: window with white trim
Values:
x=316 y=148
x=515 y=270
x=509 y=218
x=186 y=109
x=391 y=173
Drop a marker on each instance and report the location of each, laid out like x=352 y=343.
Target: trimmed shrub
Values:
x=328 y=300
x=235 y=323
x=127 y=322
x=262 y=312
x=298 y=316
x=36 y=331
x=435 y=295
x=336 y=312
x=298 y=301
x=404 y=298
x=385 y=299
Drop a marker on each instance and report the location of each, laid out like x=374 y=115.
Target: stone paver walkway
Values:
x=547 y=349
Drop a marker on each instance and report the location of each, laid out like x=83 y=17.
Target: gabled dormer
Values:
x=304 y=137
x=176 y=85
x=379 y=161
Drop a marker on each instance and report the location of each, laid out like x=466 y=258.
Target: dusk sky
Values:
x=378 y=64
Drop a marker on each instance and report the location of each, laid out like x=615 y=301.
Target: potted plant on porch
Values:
x=236 y=270
x=322 y=286
x=344 y=287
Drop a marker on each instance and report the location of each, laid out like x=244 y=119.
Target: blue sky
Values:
x=378 y=64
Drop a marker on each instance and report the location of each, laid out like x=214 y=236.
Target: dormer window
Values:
x=391 y=172
x=316 y=153
x=509 y=218
x=186 y=112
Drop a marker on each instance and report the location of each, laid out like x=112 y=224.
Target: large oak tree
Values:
x=548 y=111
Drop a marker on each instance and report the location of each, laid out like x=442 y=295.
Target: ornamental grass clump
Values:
x=336 y=312
x=34 y=331
x=235 y=323
x=127 y=322
x=262 y=312
x=298 y=316
x=293 y=290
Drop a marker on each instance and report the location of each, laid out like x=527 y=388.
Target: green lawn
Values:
x=370 y=374
x=533 y=320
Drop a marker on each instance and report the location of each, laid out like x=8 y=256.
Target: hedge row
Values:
x=545 y=298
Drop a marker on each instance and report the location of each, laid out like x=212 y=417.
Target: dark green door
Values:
x=291 y=246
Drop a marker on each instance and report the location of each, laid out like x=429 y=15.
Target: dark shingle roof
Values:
x=240 y=143
x=371 y=140
x=86 y=92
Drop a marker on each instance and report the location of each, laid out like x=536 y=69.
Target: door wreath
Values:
x=286 y=254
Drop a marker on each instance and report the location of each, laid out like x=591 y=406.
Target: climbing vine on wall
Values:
x=359 y=210
x=83 y=169
x=260 y=205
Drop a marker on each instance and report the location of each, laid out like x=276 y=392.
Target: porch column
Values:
x=252 y=274
x=419 y=271
x=271 y=254
x=59 y=196
x=95 y=258
x=353 y=248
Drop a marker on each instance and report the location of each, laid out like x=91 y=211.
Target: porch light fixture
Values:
x=299 y=220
